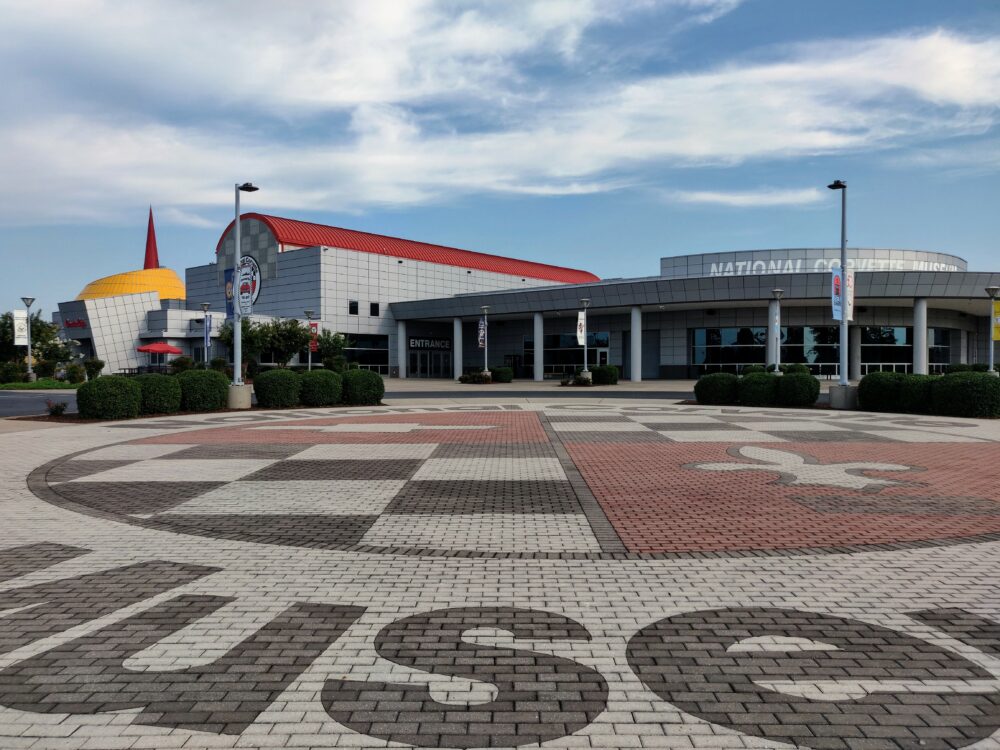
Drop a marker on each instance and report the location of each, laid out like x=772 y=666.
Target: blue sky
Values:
x=599 y=134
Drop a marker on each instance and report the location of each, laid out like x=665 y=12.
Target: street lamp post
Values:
x=28 y=302
x=486 y=341
x=993 y=291
x=585 y=301
x=206 y=325
x=842 y=187
x=777 y=294
x=246 y=187
x=309 y=317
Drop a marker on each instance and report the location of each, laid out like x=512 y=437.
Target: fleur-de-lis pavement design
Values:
x=803 y=470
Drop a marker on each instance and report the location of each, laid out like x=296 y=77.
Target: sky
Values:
x=596 y=134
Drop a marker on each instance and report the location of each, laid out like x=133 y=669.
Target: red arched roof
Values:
x=307 y=234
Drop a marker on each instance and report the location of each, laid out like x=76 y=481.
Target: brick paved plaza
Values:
x=579 y=574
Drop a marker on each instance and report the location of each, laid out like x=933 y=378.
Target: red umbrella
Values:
x=160 y=347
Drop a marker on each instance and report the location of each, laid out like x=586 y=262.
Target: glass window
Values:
x=373 y=309
x=352 y=307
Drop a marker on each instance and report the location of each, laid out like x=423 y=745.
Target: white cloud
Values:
x=345 y=105
x=763 y=197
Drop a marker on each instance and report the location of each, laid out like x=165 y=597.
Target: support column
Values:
x=539 y=338
x=401 y=346
x=773 y=333
x=635 y=345
x=855 y=353
x=456 y=347
x=963 y=347
x=920 y=336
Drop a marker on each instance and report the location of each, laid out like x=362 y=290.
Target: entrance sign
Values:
x=482 y=333
x=842 y=294
x=439 y=344
x=20 y=327
x=996 y=320
x=581 y=328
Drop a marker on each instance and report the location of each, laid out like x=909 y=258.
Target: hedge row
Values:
x=757 y=389
x=283 y=388
x=957 y=394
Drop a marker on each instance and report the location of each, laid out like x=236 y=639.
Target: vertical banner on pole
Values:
x=996 y=320
x=230 y=286
x=20 y=327
x=313 y=336
x=581 y=328
x=482 y=333
x=837 y=293
x=849 y=295
x=208 y=335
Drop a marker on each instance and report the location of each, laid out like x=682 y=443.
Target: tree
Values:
x=330 y=345
x=285 y=338
x=252 y=341
x=45 y=342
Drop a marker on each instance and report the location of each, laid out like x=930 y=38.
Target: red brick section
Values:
x=506 y=427
x=656 y=505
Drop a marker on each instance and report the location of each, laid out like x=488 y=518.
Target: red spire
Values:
x=152 y=258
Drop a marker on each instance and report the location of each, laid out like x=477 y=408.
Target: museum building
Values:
x=413 y=309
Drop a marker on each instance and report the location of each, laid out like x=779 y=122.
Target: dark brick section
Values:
x=238 y=450
x=457 y=497
x=631 y=436
x=596 y=418
x=401 y=468
x=314 y=531
x=70 y=470
x=88 y=676
x=684 y=660
x=833 y=436
x=896 y=505
x=540 y=697
x=133 y=497
x=56 y=606
x=971 y=629
x=493 y=450
x=19 y=561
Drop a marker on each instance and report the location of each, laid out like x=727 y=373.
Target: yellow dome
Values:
x=162 y=280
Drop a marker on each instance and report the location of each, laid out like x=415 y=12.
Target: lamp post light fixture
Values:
x=246 y=187
x=206 y=325
x=28 y=302
x=842 y=187
x=777 y=294
x=585 y=301
x=309 y=316
x=992 y=291
x=486 y=340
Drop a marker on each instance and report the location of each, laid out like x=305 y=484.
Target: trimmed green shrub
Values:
x=109 y=397
x=478 y=378
x=93 y=367
x=966 y=394
x=11 y=372
x=45 y=368
x=203 y=390
x=503 y=374
x=605 y=375
x=915 y=393
x=751 y=369
x=75 y=373
x=758 y=389
x=161 y=394
x=218 y=364
x=363 y=388
x=55 y=408
x=719 y=388
x=797 y=389
x=880 y=391
x=278 y=389
x=181 y=364
x=959 y=367
x=321 y=388
x=796 y=368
